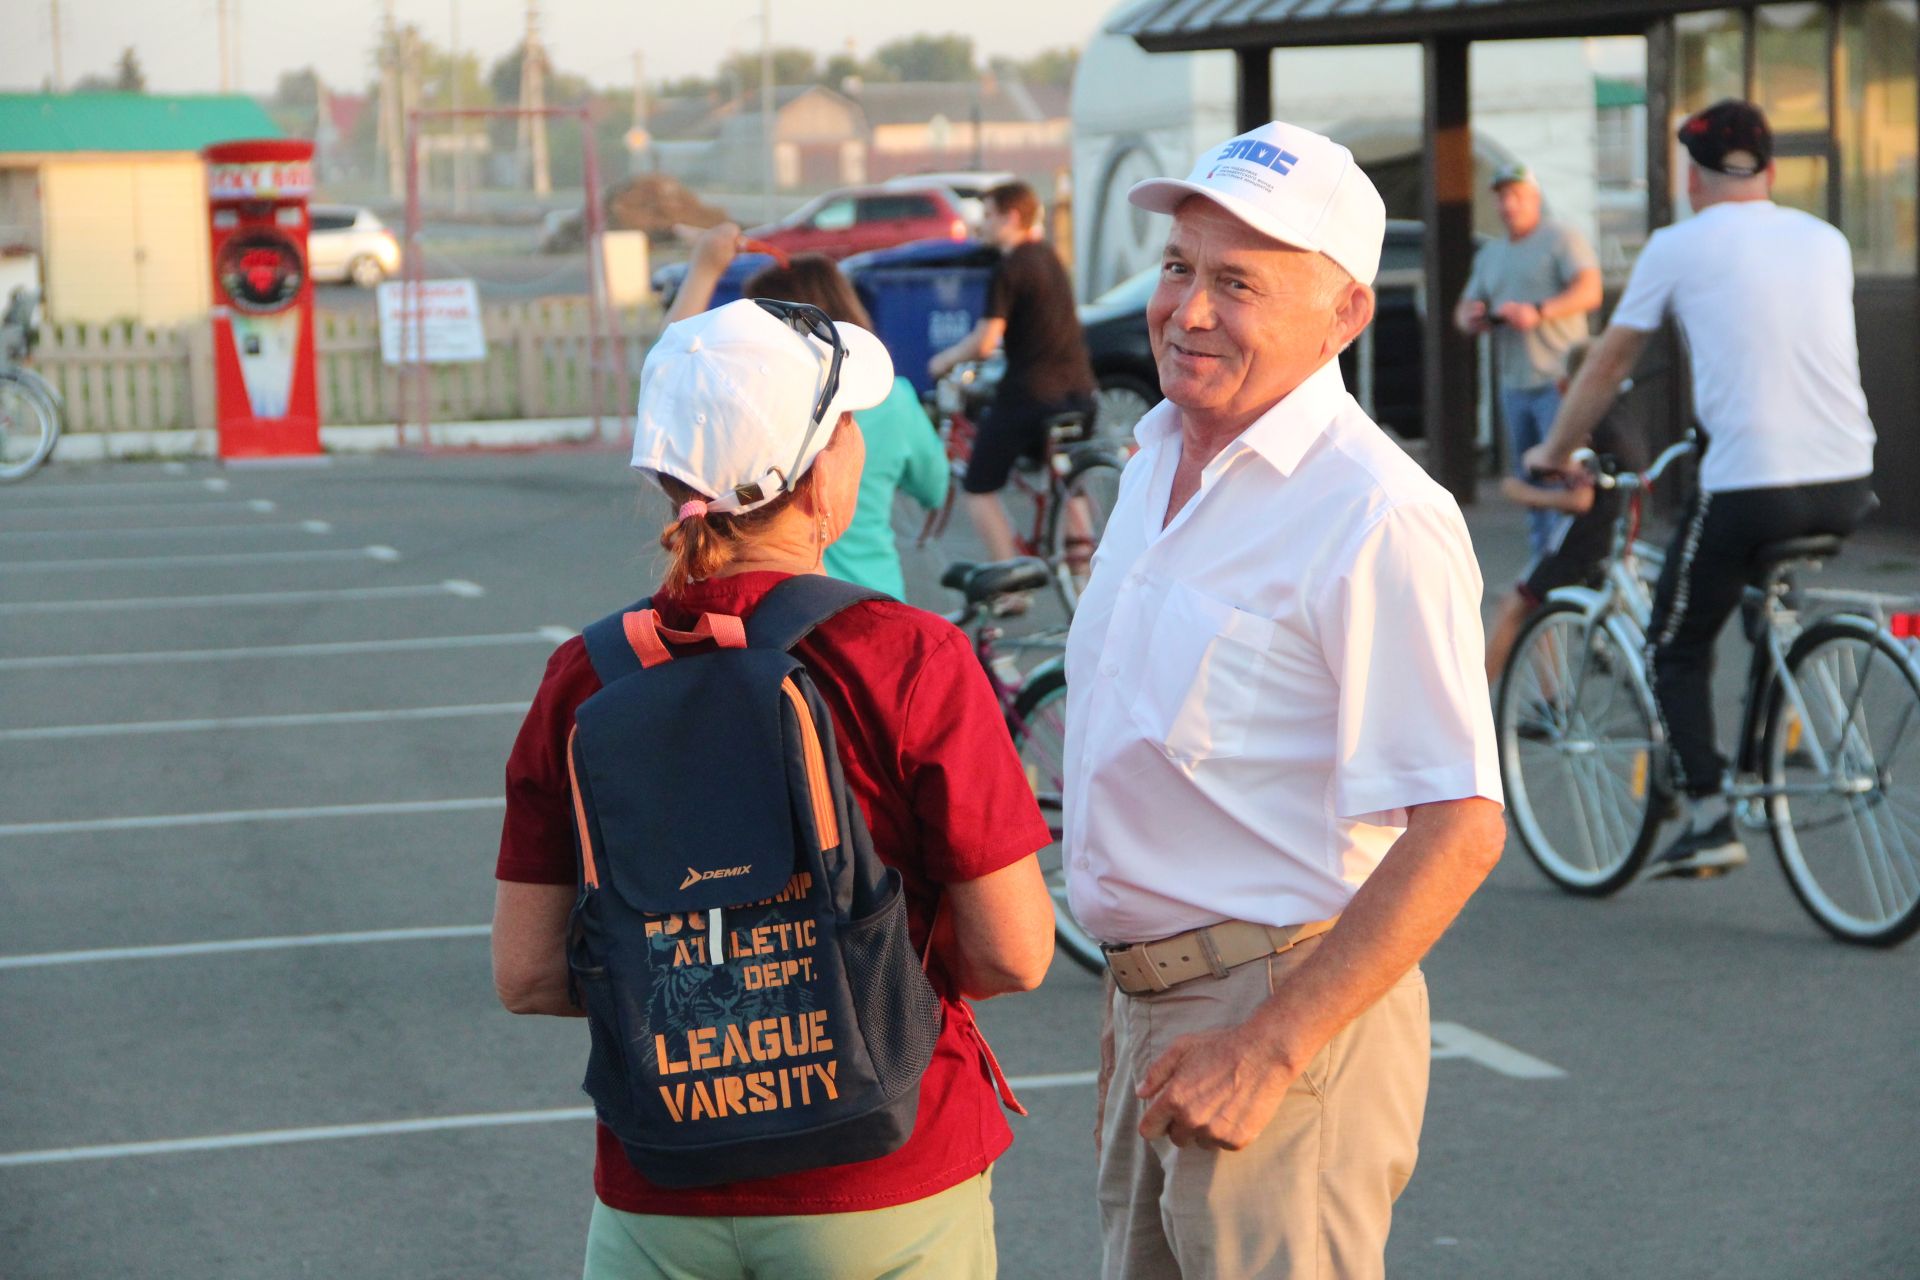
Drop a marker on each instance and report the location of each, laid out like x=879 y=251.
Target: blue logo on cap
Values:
x=1260 y=153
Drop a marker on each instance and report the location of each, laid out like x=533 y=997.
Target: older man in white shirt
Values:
x=1281 y=783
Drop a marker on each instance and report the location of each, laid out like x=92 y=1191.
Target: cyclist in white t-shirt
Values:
x=1764 y=296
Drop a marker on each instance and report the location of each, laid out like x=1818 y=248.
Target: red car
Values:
x=856 y=219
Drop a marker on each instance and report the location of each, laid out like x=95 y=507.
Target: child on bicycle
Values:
x=1578 y=545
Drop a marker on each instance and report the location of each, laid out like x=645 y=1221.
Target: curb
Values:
x=507 y=433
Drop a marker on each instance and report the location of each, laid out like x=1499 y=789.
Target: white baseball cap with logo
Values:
x=728 y=400
x=1291 y=184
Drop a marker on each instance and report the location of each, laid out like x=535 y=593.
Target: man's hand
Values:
x=1216 y=1090
x=941 y=363
x=1521 y=316
x=1546 y=460
x=1471 y=317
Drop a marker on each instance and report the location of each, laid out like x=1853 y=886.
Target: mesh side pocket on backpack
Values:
x=898 y=1011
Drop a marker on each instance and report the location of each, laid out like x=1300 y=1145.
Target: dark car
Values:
x=1116 y=327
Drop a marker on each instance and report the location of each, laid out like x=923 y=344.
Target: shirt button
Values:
x=1110 y=669
x=1133 y=580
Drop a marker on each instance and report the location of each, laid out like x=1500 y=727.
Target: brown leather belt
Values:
x=1146 y=967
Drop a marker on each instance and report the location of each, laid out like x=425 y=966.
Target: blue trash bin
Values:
x=923 y=297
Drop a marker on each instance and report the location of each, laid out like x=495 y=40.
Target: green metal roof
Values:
x=1609 y=91
x=39 y=122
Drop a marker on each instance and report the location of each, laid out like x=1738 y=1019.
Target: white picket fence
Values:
x=126 y=377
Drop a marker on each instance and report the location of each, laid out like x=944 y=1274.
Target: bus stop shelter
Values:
x=1837 y=78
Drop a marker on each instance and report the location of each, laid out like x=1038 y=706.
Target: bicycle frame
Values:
x=1778 y=626
x=988 y=639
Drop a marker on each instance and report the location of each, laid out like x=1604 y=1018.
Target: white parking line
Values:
x=387 y=1128
x=540 y=635
x=212 y=484
x=262 y=505
x=285 y=720
x=1451 y=1040
x=169 y=951
x=450 y=587
x=169 y=530
x=387 y=554
x=227 y=817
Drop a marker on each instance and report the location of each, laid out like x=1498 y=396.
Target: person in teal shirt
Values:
x=904 y=452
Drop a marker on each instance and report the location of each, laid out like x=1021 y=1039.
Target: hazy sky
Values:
x=177 y=40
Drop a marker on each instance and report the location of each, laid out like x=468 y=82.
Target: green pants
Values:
x=948 y=1236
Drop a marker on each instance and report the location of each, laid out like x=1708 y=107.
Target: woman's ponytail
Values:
x=700 y=544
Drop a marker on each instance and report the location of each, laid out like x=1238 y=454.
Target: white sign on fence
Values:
x=448 y=329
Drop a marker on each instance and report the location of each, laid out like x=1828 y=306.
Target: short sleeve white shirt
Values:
x=1258 y=691
x=1765 y=297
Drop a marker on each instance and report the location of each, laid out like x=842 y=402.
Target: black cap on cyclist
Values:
x=1730 y=137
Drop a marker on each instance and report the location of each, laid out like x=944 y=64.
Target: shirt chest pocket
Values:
x=1205 y=665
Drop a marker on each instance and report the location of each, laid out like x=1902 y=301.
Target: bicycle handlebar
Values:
x=1631 y=480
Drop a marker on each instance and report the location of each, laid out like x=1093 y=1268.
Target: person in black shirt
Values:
x=1030 y=310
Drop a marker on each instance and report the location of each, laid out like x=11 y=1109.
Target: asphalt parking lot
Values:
x=252 y=723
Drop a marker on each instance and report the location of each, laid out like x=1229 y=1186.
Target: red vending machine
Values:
x=262 y=299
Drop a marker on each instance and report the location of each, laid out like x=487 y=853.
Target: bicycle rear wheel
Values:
x=1076 y=519
x=29 y=426
x=1578 y=738
x=1846 y=825
x=1039 y=724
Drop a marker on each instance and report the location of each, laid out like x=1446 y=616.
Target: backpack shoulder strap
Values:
x=793 y=609
x=607 y=646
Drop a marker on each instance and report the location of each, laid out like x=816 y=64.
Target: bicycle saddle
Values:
x=982 y=582
x=1819 y=546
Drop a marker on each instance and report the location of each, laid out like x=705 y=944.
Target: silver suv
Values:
x=348 y=243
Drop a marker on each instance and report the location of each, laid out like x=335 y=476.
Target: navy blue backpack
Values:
x=755 y=1004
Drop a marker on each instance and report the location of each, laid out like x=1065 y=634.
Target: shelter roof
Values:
x=1165 y=25
x=128 y=122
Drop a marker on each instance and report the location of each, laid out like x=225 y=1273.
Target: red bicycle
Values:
x=1035 y=705
x=1070 y=486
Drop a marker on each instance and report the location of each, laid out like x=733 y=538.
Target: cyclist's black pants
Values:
x=1709 y=563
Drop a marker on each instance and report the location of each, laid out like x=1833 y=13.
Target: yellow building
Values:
x=109 y=191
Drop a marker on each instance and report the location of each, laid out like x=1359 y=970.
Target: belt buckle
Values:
x=1133 y=969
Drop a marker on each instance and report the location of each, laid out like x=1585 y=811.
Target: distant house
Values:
x=991 y=123
x=820 y=140
x=109 y=190
x=863 y=133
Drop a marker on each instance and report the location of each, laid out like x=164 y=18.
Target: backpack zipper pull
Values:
x=716 y=938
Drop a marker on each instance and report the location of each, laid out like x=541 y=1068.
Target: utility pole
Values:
x=392 y=117
x=766 y=104
x=410 y=81
x=453 y=101
x=640 y=105
x=226 y=59
x=59 y=76
x=533 y=97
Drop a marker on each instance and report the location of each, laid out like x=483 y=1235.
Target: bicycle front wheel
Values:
x=1039 y=724
x=1579 y=738
x=1839 y=758
x=29 y=426
x=1076 y=519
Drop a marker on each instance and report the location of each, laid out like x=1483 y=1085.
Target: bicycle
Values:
x=1585 y=762
x=1035 y=707
x=1072 y=484
x=30 y=407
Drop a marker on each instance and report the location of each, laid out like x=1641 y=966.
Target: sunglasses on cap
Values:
x=810 y=321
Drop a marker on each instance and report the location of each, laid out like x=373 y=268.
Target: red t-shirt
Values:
x=926 y=753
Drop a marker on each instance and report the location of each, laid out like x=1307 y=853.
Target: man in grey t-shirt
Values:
x=1533 y=291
